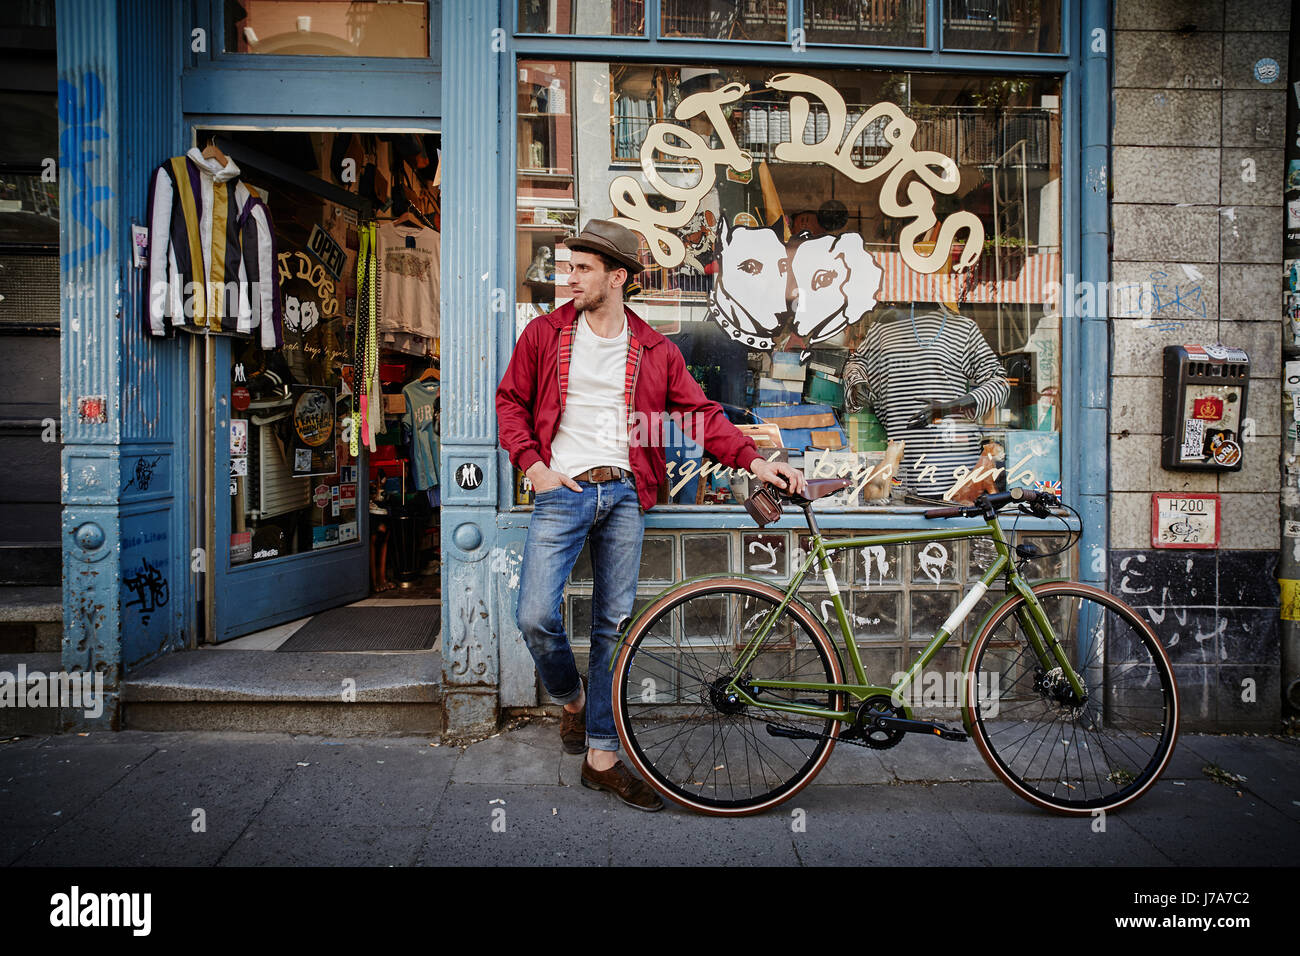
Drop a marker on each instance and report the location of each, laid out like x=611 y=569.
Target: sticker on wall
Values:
x=347 y=531
x=348 y=494
x=1267 y=70
x=1226 y=451
x=139 y=245
x=469 y=476
x=239 y=467
x=1193 y=440
x=238 y=437
x=93 y=410
x=320 y=496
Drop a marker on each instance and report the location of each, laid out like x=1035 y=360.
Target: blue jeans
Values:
x=610 y=514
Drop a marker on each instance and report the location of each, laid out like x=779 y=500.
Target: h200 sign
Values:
x=1184 y=521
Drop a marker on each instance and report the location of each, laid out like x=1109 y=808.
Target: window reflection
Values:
x=328 y=27
x=805 y=291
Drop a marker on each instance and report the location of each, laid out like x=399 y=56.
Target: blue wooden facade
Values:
x=137 y=77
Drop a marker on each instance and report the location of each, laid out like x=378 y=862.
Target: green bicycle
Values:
x=729 y=695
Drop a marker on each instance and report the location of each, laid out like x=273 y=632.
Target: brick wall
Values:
x=1196 y=214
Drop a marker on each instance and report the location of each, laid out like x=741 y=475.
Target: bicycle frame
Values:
x=1041 y=635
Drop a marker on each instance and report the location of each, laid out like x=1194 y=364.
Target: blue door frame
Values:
x=257 y=92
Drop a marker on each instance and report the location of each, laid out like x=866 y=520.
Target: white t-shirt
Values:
x=593 y=427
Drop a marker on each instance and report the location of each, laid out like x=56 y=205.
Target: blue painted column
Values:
x=125 y=555
x=1091 y=444
x=474 y=284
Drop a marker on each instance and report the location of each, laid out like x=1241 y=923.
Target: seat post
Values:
x=812 y=522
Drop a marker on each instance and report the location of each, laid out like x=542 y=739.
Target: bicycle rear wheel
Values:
x=680 y=731
x=1063 y=754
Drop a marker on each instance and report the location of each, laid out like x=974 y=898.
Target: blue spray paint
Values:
x=80 y=116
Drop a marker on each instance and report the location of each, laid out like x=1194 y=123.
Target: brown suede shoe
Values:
x=619 y=780
x=573 y=727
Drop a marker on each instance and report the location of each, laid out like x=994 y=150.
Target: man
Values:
x=563 y=412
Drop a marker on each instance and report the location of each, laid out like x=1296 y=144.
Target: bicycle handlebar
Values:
x=986 y=505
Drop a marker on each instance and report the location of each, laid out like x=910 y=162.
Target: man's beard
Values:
x=593 y=300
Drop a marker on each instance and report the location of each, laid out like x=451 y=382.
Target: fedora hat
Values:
x=611 y=239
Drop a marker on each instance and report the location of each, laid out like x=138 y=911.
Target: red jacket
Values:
x=530 y=400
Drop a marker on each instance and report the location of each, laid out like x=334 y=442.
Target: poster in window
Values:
x=313 y=430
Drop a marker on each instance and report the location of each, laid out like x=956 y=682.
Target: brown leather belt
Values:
x=603 y=473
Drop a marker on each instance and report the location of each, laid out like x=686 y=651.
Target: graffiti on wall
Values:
x=81 y=117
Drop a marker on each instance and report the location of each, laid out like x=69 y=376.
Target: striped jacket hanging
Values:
x=212 y=264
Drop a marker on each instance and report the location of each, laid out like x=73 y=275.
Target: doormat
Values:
x=409 y=628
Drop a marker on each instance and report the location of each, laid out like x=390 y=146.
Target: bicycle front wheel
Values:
x=1058 y=751
x=686 y=735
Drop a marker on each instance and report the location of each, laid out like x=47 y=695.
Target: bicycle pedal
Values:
x=790 y=734
x=950 y=733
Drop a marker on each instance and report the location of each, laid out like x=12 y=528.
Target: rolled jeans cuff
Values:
x=569 y=697
x=602 y=743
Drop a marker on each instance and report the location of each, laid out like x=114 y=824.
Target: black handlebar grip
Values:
x=944 y=512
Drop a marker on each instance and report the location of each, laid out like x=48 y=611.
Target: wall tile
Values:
x=1258 y=15
x=1241 y=51
x=1131 y=460
x=1135 y=404
x=1155 y=577
x=1254 y=119
x=1251 y=521
x=1248 y=578
x=1263 y=713
x=1250 y=234
x=1165 y=174
x=1250 y=291
x=1205 y=15
x=1130 y=520
x=1164 y=291
x=1263 y=343
x=1167 y=118
x=1162 y=233
x=1170 y=60
x=1138 y=344
x=1260 y=470
x=1266 y=190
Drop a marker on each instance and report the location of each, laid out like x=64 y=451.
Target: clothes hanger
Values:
x=432 y=372
x=213 y=151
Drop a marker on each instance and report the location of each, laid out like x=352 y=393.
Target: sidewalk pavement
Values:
x=239 y=799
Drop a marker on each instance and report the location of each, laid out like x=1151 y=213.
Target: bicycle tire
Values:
x=667 y=677
x=1060 y=755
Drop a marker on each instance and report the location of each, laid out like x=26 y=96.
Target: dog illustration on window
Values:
x=812 y=287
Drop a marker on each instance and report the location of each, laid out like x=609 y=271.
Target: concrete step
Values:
x=31 y=619
x=331 y=693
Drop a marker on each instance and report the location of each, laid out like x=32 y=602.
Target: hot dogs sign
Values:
x=826 y=283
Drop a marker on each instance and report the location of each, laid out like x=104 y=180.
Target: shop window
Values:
x=583 y=17
x=1022 y=26
x=865 y=22
x=859 y=265
x=724 y=19
x=371 y=28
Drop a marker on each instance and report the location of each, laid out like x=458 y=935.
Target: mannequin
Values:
x=928 y=378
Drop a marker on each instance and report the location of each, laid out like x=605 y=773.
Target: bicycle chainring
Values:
x=865 y=728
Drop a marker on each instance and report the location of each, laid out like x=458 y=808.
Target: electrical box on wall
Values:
x=1204 y=404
